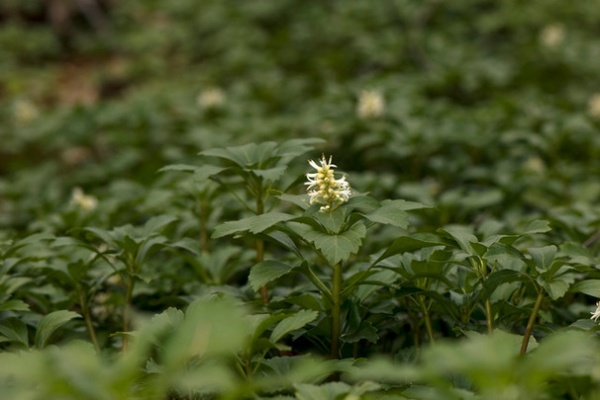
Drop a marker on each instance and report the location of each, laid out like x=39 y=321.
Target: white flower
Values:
x=323 y=188
x=83 y=201
x=596 y=313
x=25 y=111
x=594 y=106
x=552 y=35
x=211 y=98
x=370 y=104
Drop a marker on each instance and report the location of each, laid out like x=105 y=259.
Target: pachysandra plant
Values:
x=333 y=226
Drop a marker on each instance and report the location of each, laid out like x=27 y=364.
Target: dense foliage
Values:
x=157 y=240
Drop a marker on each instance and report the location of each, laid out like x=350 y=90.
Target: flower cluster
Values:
x=211 y=98
x=594 y=106
x=596 y=313
x=552 y=35
x=82 y=200
x=323 y=188
x=370 y=104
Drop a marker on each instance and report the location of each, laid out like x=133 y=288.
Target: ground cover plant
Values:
x=299 y=200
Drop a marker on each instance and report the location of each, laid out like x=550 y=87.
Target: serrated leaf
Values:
x=50 y=323
x=270 y=174
x=365 y=204
x=244 y=156
x=406 y=244
x=267 y=271
x=254 y=224
x=392 y=213
x=289 y=324
x=332 y=221
x=301 y=200
x=463 y=237
x=543 y=256
x=337 y=247
x=555 y=288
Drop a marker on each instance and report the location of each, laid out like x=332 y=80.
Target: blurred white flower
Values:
x=594 y=106
x=535 y=165
x=24 y=111
x=370 y=104
x=323 y=188
x=596 y=313
x=211 y=98
x=82 y=200
x=552 y=35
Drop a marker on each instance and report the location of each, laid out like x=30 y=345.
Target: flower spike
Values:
x=323 y=188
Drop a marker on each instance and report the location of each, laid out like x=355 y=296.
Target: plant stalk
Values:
x=260 y=243
x=336 y=292
x=260 y=256
x=427 y=319
x=127 y=310
x=85 y=310
x=532 y=317
x=488 y=316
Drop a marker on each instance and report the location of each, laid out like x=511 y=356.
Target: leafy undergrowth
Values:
x=162 y=235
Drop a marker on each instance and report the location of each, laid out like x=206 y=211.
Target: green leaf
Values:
x=499 y=277
x=267 y=271
x=327 y=391
x=463 y=237
x=271 y=174
x=15 y=305
x=406 y=244
x=392 y=213
x=201 y=173
x=14 y=330
x=50 y=323
x=254 y=224
x=366 y=330
x=250 y=155
x=332 y=221
x=556 y=288
x=296 y=147
x=292 y=323
x=590 y=287
x=146 y=248
x=543 y=256
x=365 y=204
x=157 y=224
x=538 y=226
x=338 y=247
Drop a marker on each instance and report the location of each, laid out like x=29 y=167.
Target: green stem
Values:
x=336 y=310
x=427 y=319
x=203 y=222
x=85 y=310
x=532 y=317
x=488 y=316
x=260 y=243
x=318 y=283
x=127 y=310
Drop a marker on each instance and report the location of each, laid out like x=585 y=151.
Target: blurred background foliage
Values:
x=489 y=105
